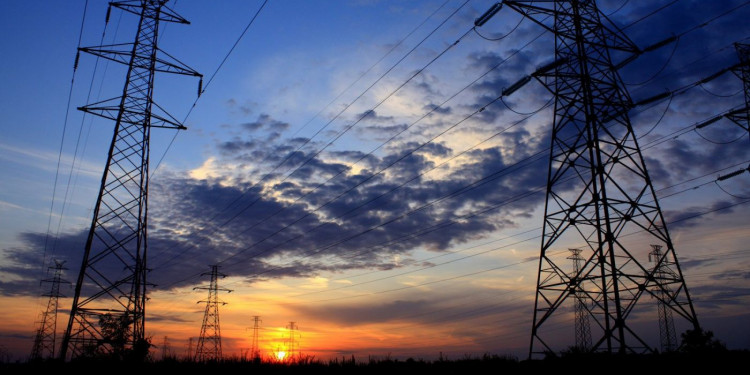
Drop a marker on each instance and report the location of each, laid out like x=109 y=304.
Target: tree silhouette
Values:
x=700 y=341
x=115 y=332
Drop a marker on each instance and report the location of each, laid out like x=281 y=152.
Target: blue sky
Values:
x=302 y=74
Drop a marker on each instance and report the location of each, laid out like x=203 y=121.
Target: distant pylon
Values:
x=189 y=355
x=44 y=340
x=255 y=348
x=664 y=271
x=209 y=342
x=111 y=285
x=292 y=346
x=582 y=324
x=741 y=116
x=165 y=352
x=599 y=192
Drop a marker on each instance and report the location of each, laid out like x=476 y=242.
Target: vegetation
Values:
x=487 y=364
x=698 y=349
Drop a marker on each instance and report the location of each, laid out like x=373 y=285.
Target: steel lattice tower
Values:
x=291 y=350
x=190 y=356
x=599 y=196
x=667 y=332
x=44 y=340
x=209 y=342
x=582 y=324
x=742 y=116
x=111 y=285
x=255 y=348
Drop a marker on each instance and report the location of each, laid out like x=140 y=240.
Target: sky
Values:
x=332 y=168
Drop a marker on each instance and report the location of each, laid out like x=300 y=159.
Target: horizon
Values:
x=377 y=98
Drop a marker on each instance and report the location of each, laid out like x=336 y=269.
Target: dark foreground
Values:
x=488 y=364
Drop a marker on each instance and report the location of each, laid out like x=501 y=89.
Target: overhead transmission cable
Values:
x=361 y=117
x=295 y=170
x=62 y=143
x=491 y=207
x=202 y=88
x=684 y=88
x=72 y=183
x=508 y=265
x=291 y=154
x=539 y=188
x=647 y=49
x=643 y=102
x=494 y=206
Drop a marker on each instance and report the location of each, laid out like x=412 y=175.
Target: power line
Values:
x=289 y=155
x=479 y=253
x=62 y=140
x=479 y=182
x=202 y=88
x=679 y=91
x=337 y=217
x=505 y=265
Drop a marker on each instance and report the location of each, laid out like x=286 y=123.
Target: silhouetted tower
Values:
x=292 y=346
x=255 y=348
x=165 y=351
x=44 y=340
x=111 y=285
x=209 y=342
x=189 y=355
x=599 y=192
x=582 y=324
x=742 y=116
x=663 y=271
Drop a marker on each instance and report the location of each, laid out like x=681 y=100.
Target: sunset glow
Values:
x=352 y=172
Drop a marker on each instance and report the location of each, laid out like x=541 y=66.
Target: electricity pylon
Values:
x=209 y=342
x=111 y=285
x=190 y=356
x=599 y=196
x=741 y=116
x=255 y=348
x=291 y=350
x=165 y=350
x=667 y=332
x=44 y=340
x=582 y=324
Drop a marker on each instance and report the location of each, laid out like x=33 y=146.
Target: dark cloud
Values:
x=693 y=216
x=372 y=217
x=680 y=160
x=503 y=70
x=16 y=336
x=265 y=122
x=172 y=318
x=717 y=295
x=372 y=116
x=731 y=275
x=688 y=263
x=28 y=266
x=436 y=149
x=245 y=109
x=437 y=109
x=368 y=313
x=262 y=145
x=381 y=133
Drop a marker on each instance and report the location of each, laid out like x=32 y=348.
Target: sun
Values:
x=280 y=355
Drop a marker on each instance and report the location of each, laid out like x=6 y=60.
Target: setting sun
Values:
x=280 y=355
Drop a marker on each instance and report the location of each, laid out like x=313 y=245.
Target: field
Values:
x=487 y=364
